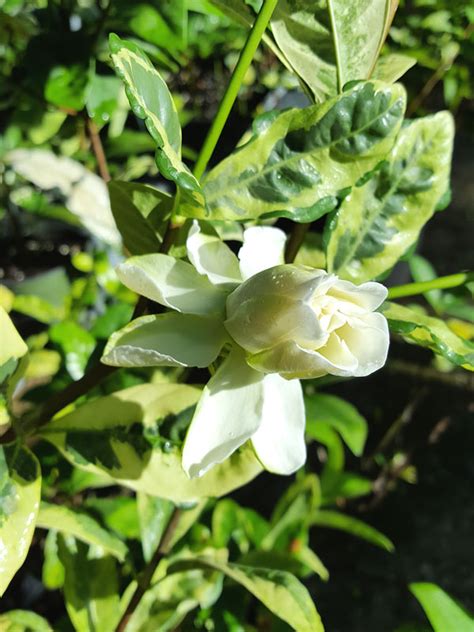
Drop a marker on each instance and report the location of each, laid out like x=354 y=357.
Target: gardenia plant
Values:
x=275 y=322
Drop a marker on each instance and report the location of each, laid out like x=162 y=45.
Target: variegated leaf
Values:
x=390 y=68
x=379 y=221
x=119 y=435
x=430 y=332
x=151 y=101
x=331 y=42
x=20 y=488
x=299 y=160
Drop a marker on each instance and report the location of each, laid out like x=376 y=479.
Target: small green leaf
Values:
x=76 y=343
x=53 y=571
x=151 y=101
x=430 y=332
x=20 y=487
x=340 y=415
x=390 y=68
x=422 y=270
x=301 y=159
x=141 y=213
x=279 y=591
x=81 y=526
x=119 y=435
x=154 y=514
x=378 y=221
x=102 y=97
x=90 y=586
x=12 y=345
x=444 y=614
x=67 y=86
x=23 y=621
x=336 y=520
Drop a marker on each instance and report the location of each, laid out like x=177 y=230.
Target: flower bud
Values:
x=305 y=323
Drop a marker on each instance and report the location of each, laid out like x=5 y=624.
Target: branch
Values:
x=98 y=149
x=295 y=240
x=146 y=577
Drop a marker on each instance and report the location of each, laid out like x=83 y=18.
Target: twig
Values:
x=295 y=240
x=458 y=379
x=146 y=577
x=98 y=149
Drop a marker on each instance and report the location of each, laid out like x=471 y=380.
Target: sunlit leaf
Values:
x=342 y=522
x=444 y=614
x=23 y=621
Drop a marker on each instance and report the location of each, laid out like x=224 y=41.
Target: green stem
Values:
x=441 y=283
x=245 y=59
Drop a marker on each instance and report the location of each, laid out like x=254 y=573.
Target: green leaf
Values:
x=279 y=591
x=151 y=101
x=378 y=221
x=53 y=571
x=430 y=332
x=12 y=345
x=390 y=68
x=102 y=97
x=120 y=435
x=81 y=526
x=20 y=487
x=76 y=343
x=444 y=614
x=336 y=520
x=23 y=621
x=305 y=156
x=154 y=514
x=90 y=586
x=44 y=297
x=332 y=42
x=338 y=414
x=422 y=270
x=67 y=86
x=141 y=213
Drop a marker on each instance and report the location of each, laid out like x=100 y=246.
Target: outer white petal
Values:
x=263 y=248
x=166 y=340
x=228 y=413
x=358 y=298
x=172 y=283
x=368 y=339
x=279 y=441
x=212 y=257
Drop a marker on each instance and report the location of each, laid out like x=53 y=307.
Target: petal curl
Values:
x=227 y=415
x=166 y=340
x=368 y=339
x=356 y=299
x=263 y=248
x=279 y=441
x=212 y=257
x=171 y=282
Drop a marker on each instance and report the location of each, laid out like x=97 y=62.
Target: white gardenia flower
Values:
x=278 y=320
x=305 y=323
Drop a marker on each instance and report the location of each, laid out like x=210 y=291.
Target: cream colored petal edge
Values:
x=263 y=248
x=227 y=415
x=279 y=441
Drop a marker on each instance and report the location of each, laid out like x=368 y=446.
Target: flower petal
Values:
x=292 y=361
x=228 y=414
x=279 y=441
x=263 y=247
x=166 y=340
x=358 y=298
x=368 y=339
x=172 y=283
x=212 y=257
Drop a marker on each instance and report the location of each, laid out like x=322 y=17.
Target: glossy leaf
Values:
x=322 y=409
x=430 y=332
x=154 y=514
x=76 y=343
x=377 y=222
x=120 y=435
x=140 y=212
x=296 y=163
x=336 y=520
x=81 y=526
x=330 y=43
x=151 y=101
x=390 y=68
x=444 y=614
x=23 y=621
x=20 y=487
x=279 y=591
x=90 y=586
